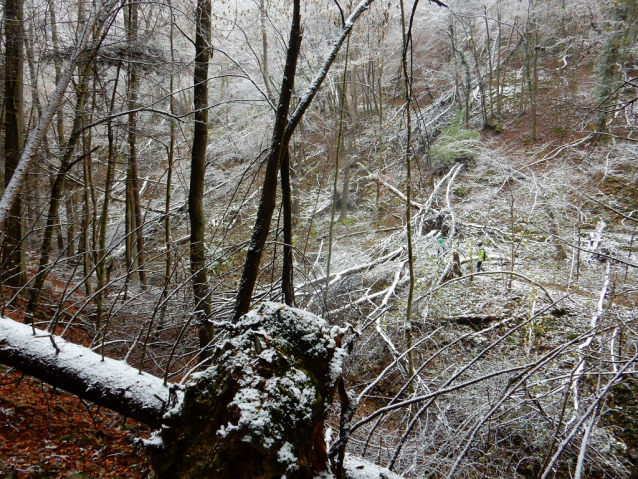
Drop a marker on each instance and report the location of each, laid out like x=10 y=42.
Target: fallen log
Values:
x=78 y=370
x=258 y=411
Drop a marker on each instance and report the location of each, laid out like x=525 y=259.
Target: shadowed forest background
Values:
x=179 y=163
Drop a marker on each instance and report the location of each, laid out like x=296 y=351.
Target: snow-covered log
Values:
x=78 y=370
x=258 y=411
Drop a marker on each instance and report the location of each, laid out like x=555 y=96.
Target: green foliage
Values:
x=461 y=191
x=456 y=144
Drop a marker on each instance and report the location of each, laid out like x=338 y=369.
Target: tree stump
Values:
x=258 y=412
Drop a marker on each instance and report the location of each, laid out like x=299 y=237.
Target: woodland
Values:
x=322 y=239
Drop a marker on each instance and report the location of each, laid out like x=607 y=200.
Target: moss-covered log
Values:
x=259 y=411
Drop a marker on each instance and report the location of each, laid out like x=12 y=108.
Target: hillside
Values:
x=512 y=137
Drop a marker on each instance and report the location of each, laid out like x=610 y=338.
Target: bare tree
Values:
x=13 y=269
x=198 y=171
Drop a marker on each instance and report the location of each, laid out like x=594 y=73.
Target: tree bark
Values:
x=198 y=172
x=278 y=148
x=287 y=273
x=133 y=183
x=86 y=217
x=101 y=267
x=58 y=73
x=407 y=83
x=264 y=51
x=169 y=171
x=13 y=268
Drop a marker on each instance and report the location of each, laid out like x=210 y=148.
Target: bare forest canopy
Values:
x=448 y=190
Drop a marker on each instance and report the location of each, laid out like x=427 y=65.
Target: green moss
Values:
x=623 y=412
x=455 y=144
x=461 y=191
x=260 y=406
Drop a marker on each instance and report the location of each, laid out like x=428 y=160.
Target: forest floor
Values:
x=47 y=433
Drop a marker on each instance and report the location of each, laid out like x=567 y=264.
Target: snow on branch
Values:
x=78 y=370
x=334 y=277
x=36 y=136
x=313 y=88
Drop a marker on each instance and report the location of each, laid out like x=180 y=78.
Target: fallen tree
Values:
x=265 y=400
x=258 y=411
x=80 y=371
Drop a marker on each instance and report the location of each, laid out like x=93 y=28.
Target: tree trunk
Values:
x=133 y=183
x=533 y=96
x=278 y=148
x=59 y=134
x=468 y=79
x=13 y=267
x=490 y=71
x=70 y=222
x=345 y=191
x=129 y=226
x=101 y=267
x=198 y=172
x=287 y=276
x=169 y=173
x=264 y=51
x=86 y=222
x=407 y=83
x=58 y=74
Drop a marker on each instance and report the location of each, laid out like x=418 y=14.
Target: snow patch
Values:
x=285 y=454
x=358 y=468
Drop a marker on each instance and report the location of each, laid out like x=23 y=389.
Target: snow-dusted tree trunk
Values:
x=78 y=370
x=196 y=215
